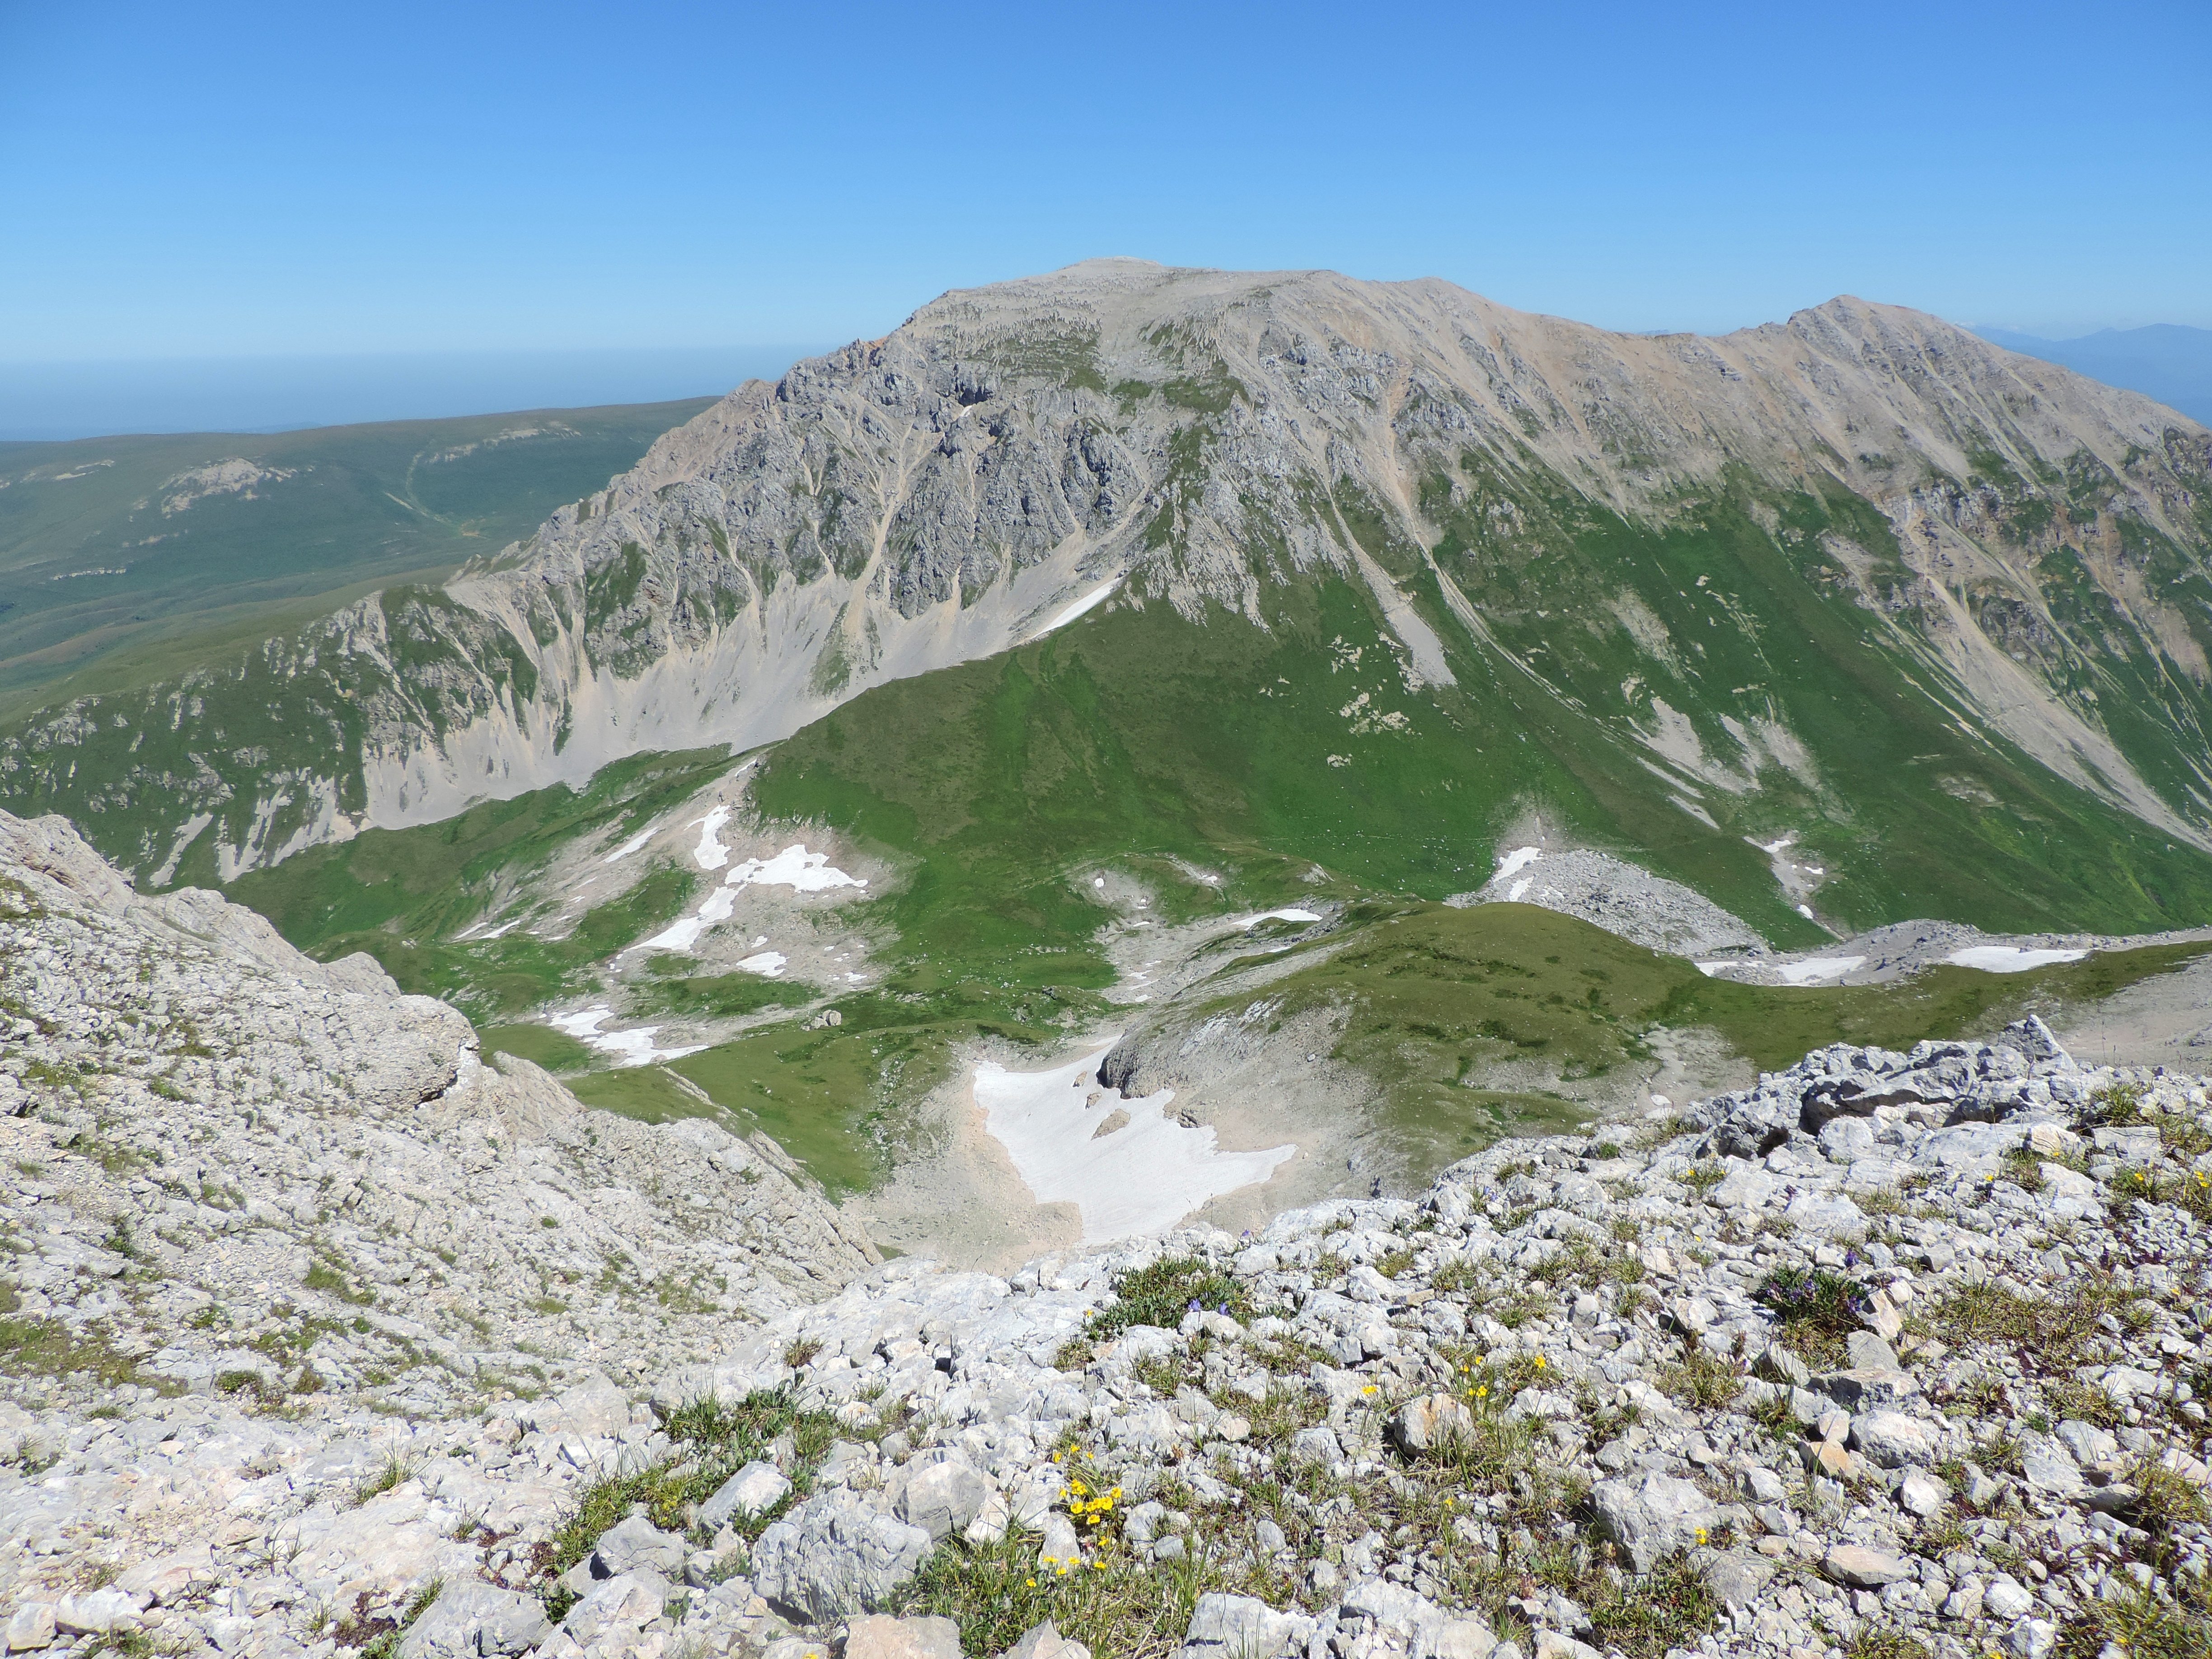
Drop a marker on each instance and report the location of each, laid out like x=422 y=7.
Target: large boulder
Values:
x=1655 y=1516
x=1434 y=1422
x=1892 y=1440
x=753 y=1490
x=1244 y=1628
x=878 y=1637
x=473 y=1618
x=940 y=1496
x=835 y=1555
x=636 y=1544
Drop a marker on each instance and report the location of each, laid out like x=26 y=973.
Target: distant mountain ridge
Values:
x=124 y=559
x=2166 y=361
x=1859 y=577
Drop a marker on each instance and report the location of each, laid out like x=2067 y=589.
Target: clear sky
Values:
x=230 y=177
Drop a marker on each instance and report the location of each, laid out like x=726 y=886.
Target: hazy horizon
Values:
x=56 y=401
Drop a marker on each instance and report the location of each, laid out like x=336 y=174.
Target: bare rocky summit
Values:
x=1890 y=1349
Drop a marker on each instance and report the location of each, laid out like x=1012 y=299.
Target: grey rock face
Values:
x=756 y=1488
x=636 y=1545
x=941 y=1496
x=1045 y=1642
x=876 y=1637
x=1892 y=1440
x=1657 y=1516
x=835 y=1555
x=1737 y=1577
x=1430 y=1423
x=479 y=1619
x=1244 y=1628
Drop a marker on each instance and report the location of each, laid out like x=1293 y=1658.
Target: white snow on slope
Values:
x=631 y=1048
x=2009 y=958
x=1513 y=893
x=630 y=846
x=793 y=867
x=1813 y=969
x=710 y=852
x=769 y=964
x=1290 y=914
x=1519 y=858
x=1095 y=597
x=1142 y=1178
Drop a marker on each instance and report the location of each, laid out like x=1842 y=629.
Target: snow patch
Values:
x=1293 y=914
x=710 y=853
x=769 y=964
x=630 y=846
x=1087 y=602
x=1142 y=1178
x=1519 y=858
x=635 y=1046
x=2009 y=958
x=1813 y=969
x=1513 y=893
x=795 y=868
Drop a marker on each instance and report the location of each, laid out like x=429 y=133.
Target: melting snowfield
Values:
x=1097 y=596
x=2009 y=958
x=1141 y=1177
x=1519 y=858
x=635 y=1046
x=1813 y=969
x=1292 y=914
x=710 y=853
x=793 y=867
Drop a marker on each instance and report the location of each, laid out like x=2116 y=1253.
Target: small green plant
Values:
x=2051 y=1335
x=395 y=1472
x=1667 y=1608
x=1704 y=1380
x=1163 y=1293
x=1879 y=1639
x=322 y=1276
x=713 y=1442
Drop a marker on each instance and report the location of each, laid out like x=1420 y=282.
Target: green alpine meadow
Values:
x=1112 y=609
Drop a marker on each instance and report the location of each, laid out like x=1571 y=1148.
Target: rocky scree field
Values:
x=1893 y=1353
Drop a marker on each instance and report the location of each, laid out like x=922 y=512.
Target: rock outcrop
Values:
x=277 y=1240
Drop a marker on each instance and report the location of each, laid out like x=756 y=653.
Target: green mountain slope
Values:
x=1939 y=614
x=120 y=557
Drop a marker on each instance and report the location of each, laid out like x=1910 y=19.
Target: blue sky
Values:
x=243 y=179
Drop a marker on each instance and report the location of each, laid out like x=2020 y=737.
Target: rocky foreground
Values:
x=1894 y=1353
